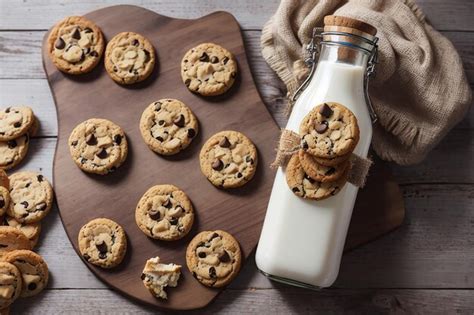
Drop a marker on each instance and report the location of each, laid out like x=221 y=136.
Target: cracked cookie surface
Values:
x=168 y=126
x=33 y=268
x=10 y=284
x=330 y=130
x=102 y=242
x=12 y=239
x=321 y=173
x=164 y=212
x=208 y=69
x=75 y=45
x=98 y=146
x=129 y=58
x=12 y=152
x=228 y=159
x=304 y=186
x=157 y=276
x=31 y=197
x=214 y=258
x=15 y=121
x=31 y=230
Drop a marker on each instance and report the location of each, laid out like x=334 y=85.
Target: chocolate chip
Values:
x=147 y=55
x=76 y=34
x=187 y=82
x=83 y=160
x=179 y=121
x=143 y=276
x=249 y=160
x=2 y=202
x=102 y=255
x=191 y=133
x=224 y=257
x=224 y=143
x=304 y=144
x=115 y=69
x=159 y=138
x=157 y=106
x=161 y=122
x=91 y=140
x=25 y=204
x=41 y=207
x=204 y=57
x=309 y=179
x=321 y=128
x=135 y=42
x=17 y=125
x=87 y=30
x=94 y=53
x=168 y=204
x=102 y=154
x=86 y=50
x=154 y=215
x=32 y=286
x=331 y=171
x=212 y=272
x=217 y=165
x=326 y=111
x=101 y=247
x=239 y=175
x=213 y=236
x=295 y=189
x=28 y=185
x=225 y=60
x=173 y=221
x=214 y=59
x=118 y=139
x=86 y=257
x=60 y=44
x=74 y=143
x=202 y=255
x=3 y=246
x=12 y=144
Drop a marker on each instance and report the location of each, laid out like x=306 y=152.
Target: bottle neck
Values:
x=337 y=53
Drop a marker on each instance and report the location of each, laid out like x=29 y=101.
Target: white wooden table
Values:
x=425 y=266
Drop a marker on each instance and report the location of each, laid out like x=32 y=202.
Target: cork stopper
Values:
x=350 y=25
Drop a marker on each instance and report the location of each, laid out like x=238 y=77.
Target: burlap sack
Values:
x=420 y=91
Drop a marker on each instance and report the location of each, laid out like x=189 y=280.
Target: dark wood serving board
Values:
x=82 y=197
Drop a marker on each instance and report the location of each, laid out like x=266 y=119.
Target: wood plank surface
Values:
x=432 y=250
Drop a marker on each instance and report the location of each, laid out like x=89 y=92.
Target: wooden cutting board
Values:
x=82 y=197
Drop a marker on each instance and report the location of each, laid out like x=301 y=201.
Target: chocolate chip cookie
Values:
x=12 y=239
x=330 y=130
x=228 y=159
x=75 y=45
x=33 y=268
x=31 y=230
x=208 y=69
x=321 y=173
x=102 y=242
x=168 y=126
x=98 y=146
x=164 y=213
x=129 y=58
x=214 y=258
x=4 y=200
x=31 y=197
x=15 y=122
x=304 y=186
x=10 y=284
x=157 y=276
x=333 y=161
x=12 y=152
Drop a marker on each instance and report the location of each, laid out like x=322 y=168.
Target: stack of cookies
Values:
x=329 y=134
x=17 y=124
x=25 y=199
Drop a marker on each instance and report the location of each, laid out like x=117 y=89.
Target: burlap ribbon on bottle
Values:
x=290 y=143
x=420 y=91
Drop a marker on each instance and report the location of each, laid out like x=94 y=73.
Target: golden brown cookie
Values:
x=129 y=58
x=15 y=121
x=33 y=268
x=75 y=45
x=12 y=239
x=208 y=69
x=31 y=230
x=214 y=258
x=329 y=130
x=12 y=152
x=157 y=276
x=321 y=173
x=10 y=284
x=304 y=186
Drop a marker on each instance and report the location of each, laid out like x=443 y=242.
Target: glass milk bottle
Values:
x=302 y=240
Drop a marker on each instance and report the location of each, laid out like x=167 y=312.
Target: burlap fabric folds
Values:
x=420 y=91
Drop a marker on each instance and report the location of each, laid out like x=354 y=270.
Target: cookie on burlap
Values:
x=33 y=268
x=157 y=276
x=15 y=122
x=75 y=45
x=329 y=130
x=228 y=159
x=208 y=69
x=321 y=173
x=168 y=126
x=304 y=186
x=98 y=146
x=129 y=58
x=164 y=212
x=31 y=197
x=10 y=284
x=102 y=242
x=214 y=258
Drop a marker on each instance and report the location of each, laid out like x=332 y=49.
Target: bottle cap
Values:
x=349 y=25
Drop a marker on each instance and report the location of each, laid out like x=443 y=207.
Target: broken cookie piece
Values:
x=157 y=276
